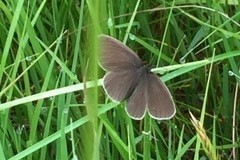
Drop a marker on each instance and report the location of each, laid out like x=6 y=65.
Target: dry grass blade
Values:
x=206 y=143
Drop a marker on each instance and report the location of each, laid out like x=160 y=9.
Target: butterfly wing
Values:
x=151 y=95
x=116 y=56
x=122 y=65
x=137 y=102
x=160 y=104
x=120 y=85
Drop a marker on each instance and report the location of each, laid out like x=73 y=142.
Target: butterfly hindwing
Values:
x=137 y=102
x=120 y=85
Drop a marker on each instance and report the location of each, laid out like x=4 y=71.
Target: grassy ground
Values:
x=48 y=45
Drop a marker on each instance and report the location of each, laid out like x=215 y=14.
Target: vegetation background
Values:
x=48 y=45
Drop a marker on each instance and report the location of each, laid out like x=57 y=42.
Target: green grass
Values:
x=52 y=102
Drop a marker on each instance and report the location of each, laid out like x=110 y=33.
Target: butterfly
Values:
x=128 y=78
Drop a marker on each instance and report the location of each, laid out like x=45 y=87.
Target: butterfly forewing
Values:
x=116 y=56
x=160 y=103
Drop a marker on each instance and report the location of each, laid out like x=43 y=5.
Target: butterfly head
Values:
x=146 y=67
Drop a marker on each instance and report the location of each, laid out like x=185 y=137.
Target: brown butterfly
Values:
x=127 y=78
